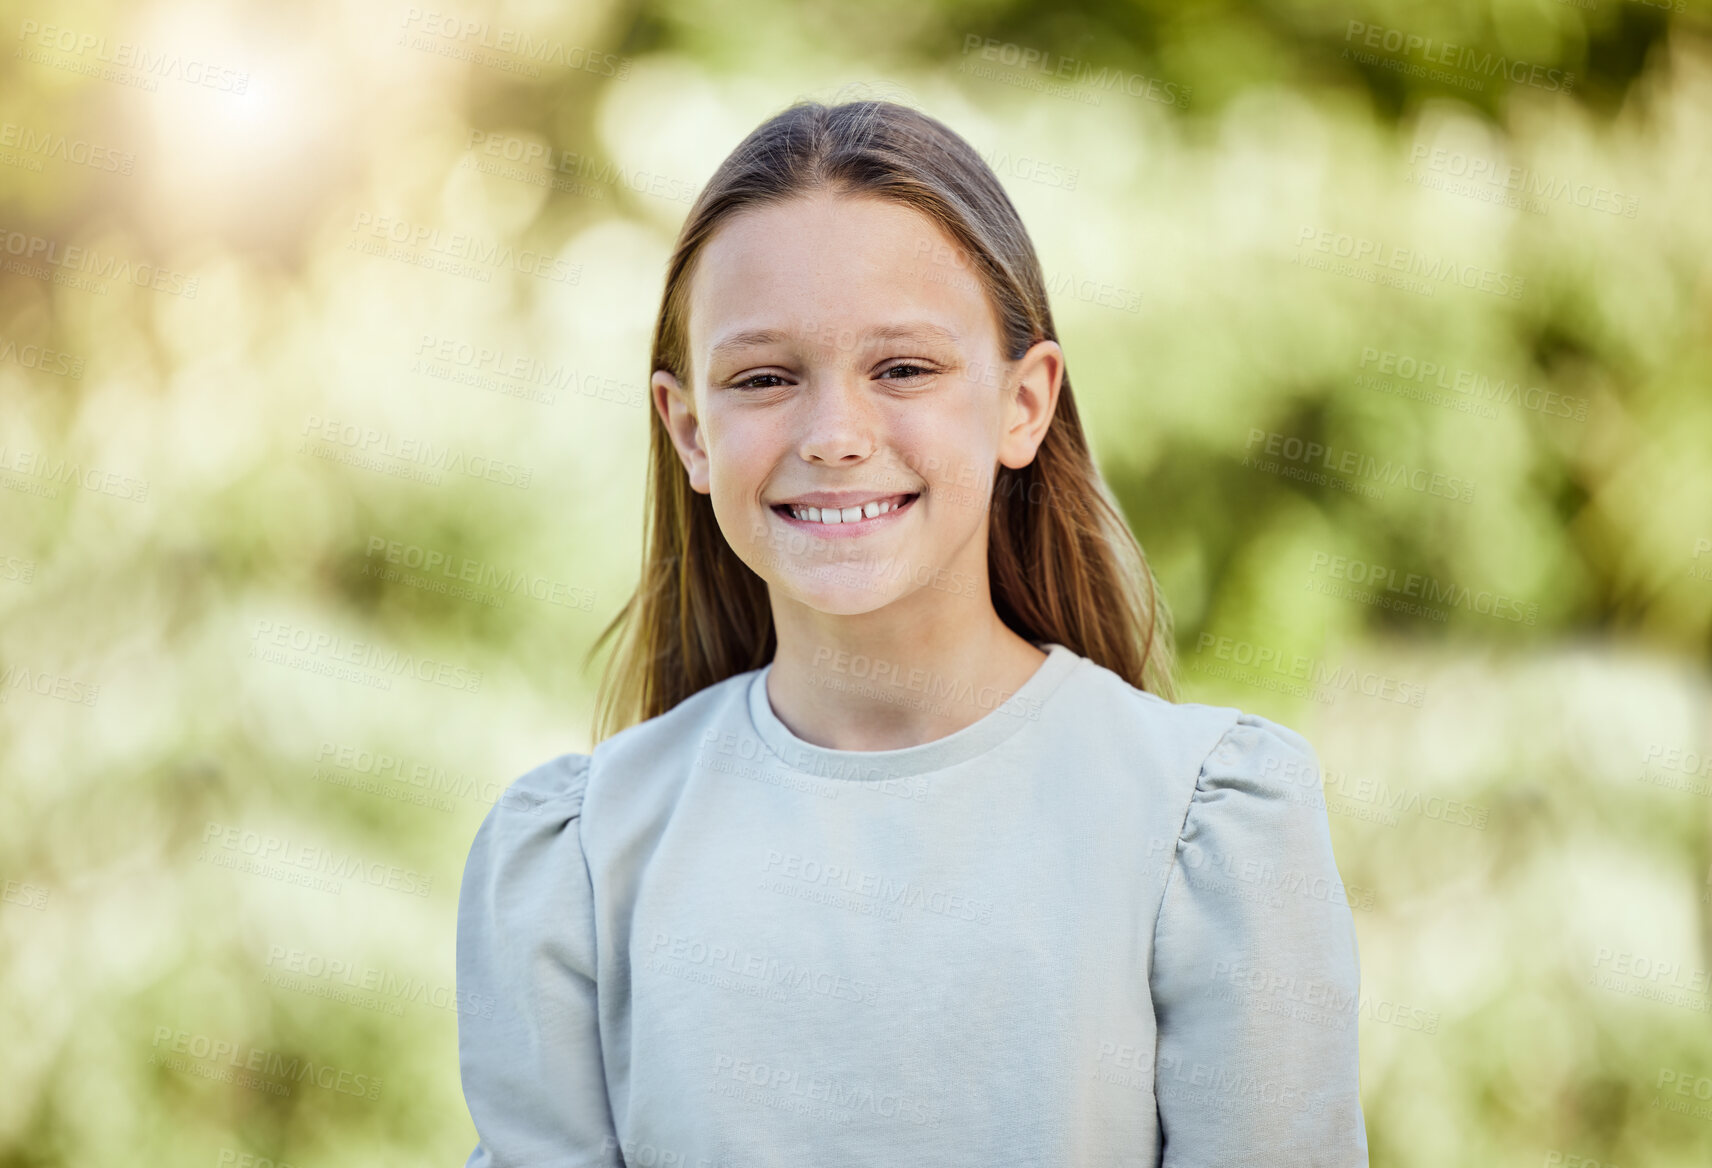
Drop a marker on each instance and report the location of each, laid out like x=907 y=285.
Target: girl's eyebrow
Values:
x=918 y=330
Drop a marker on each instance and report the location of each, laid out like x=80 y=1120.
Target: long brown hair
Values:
x=1063 y=564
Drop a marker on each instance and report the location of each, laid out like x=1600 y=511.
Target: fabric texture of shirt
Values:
x=1093 y=928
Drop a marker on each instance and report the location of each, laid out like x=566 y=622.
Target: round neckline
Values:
x=1025 y=706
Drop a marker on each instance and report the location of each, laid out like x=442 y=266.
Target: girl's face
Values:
x=845 y=357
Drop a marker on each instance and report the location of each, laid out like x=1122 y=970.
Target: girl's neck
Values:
x=895 y=691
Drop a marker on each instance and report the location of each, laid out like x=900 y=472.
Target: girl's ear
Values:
x=677 y=411
x=1030 y=405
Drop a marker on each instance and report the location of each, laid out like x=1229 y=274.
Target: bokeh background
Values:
x=323 y=381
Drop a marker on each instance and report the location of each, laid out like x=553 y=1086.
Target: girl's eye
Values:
x=909 y=371
x=895 y=373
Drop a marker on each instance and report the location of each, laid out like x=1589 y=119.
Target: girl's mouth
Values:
x=815 y=522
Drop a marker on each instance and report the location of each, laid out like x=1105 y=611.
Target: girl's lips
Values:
x=861 y=527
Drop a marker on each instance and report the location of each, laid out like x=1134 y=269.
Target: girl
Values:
x=895 y=847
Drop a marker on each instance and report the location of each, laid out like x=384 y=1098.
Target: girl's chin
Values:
x=838 y=590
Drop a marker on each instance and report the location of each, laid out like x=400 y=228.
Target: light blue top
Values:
x=1094 y=928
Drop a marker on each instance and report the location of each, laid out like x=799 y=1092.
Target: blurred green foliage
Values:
x=316 y=321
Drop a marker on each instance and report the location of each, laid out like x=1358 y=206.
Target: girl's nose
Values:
x=840 y=421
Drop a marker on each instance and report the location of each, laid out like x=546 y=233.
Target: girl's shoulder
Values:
x=1197 y=742
x=1253 y=808
x=649 y=761
x=525 y=830
x=555 y=786
x=1227 y=780
x=637 y=763
x=528 y=851
x=1269 y=752
x=1262 y=778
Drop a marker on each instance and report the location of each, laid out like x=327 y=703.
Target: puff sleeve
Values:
x=1255 y=975
x=528 y=1038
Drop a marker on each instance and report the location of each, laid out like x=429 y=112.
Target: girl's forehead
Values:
x=843 y=334
x=838 y=264
x=863 y=230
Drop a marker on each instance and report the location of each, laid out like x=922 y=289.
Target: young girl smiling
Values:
x=895 y=847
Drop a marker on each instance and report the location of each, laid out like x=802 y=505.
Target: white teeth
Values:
x=867 y=510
